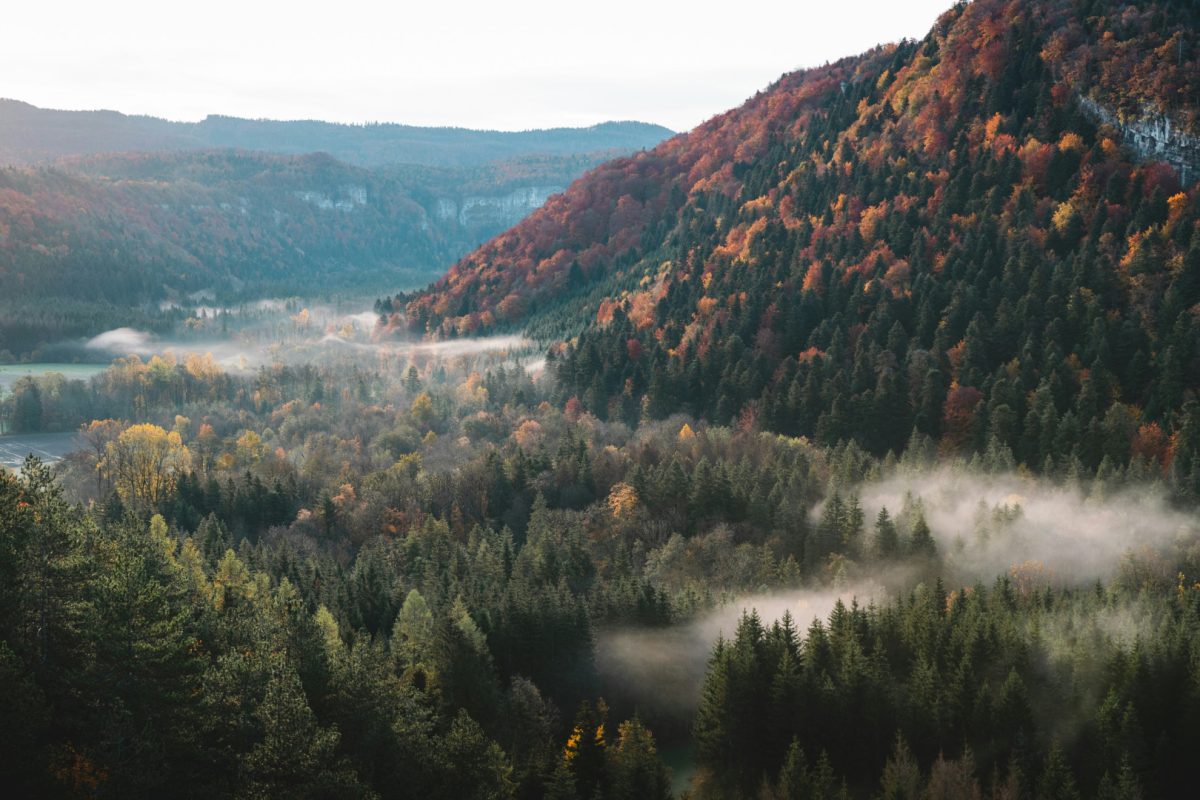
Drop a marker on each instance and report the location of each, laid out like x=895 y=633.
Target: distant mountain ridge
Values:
x=32 y=135
x=103 y=213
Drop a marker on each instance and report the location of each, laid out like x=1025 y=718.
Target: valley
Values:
x=845 y=446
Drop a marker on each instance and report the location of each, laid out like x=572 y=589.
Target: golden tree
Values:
x=99 y=434
x=622 y=500
x=144 y=463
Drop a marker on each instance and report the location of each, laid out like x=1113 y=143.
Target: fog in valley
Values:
x=291 y=332
x=1035 y=532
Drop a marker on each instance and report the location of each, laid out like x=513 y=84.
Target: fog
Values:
x=125 y=340
x=289 y=332
x=661 y=670
x=984 y=525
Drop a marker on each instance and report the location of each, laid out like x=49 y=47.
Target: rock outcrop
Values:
x=495 y=210
x=1153 y=137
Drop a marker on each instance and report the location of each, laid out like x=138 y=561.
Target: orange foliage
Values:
x=812 y=279
x=622 y=500
x=1150 y=442
x=959 y=417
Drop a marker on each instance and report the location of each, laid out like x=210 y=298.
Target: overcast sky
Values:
x=507 y=65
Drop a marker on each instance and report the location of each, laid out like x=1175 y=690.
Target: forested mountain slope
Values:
x=87 y=239
x=133 y=227
x=32 y=135
x=977 y=236
x=110 y=215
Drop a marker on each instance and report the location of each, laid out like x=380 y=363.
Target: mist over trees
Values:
x=845 y=447
x=349 y=580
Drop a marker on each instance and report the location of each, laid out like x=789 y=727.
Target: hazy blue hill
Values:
x=102 y=213
x=32 y=135
x=94 y=238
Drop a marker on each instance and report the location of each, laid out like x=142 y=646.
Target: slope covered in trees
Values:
x=935 y=235
x=105 y=216
x=32 y=135
x=84 y=241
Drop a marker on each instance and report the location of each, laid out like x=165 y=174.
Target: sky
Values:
x=498 y=65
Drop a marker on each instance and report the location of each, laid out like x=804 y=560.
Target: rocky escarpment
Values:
x=1153 y=137
x=494 y=210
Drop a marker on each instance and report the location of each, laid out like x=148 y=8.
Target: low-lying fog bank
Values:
x=289 y=331
x=985 y=526
x=301 y=346
x=661 y=670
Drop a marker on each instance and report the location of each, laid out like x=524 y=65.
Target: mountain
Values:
x=988 y=236
x=125 y=213
x=86 y=240
x=32 y=135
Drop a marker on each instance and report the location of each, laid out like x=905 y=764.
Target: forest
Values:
x=123 y=222
x=846 y=447
x=932 y=235
x=401 y=577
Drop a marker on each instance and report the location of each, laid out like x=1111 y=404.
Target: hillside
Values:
x=86 y=241
x=32 y=135
x=988 y=236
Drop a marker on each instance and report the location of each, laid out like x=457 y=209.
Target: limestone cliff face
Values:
x=490 y=211
x=1153 y=136
x=347 y=198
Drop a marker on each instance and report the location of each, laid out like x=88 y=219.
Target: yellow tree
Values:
x=622 y=500
x=250 y=449
x=422 y=410
x=145 y=462
x=99 y=435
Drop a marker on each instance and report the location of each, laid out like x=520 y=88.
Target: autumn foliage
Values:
x=937 y=235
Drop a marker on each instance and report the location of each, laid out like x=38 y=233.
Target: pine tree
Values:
x=901 y=774
x=887 y=539
x=634 y=768
x=921 y=543
x=295 y=757
x=147 y=669
x=1056 y=781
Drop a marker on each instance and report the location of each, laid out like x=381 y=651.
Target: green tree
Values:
x=634 y=768
x=887 y=539
x=295 y=757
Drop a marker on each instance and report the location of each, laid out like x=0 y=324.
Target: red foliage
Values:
x=605 y=213
x=573 y=410
x=1150 y=442
x=960 y=419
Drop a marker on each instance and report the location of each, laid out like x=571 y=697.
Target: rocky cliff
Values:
x=502 y=210
x=1152 y=136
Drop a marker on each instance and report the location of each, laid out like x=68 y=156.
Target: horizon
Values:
x=509 y=72
x=361 y=124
